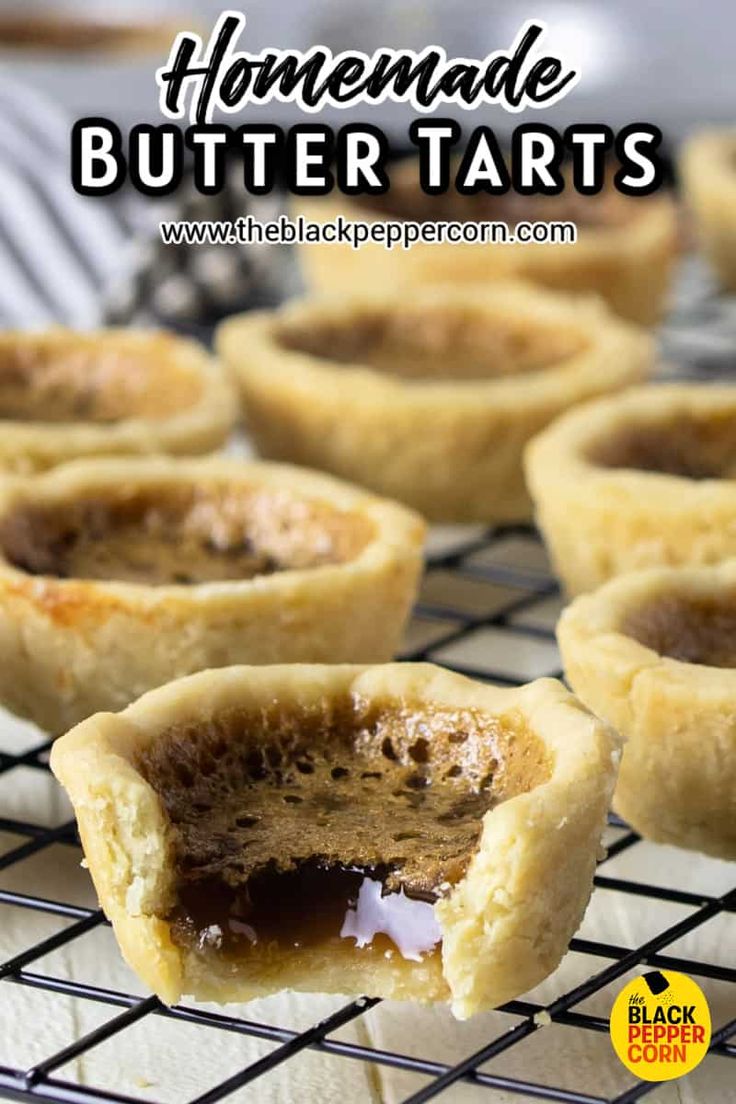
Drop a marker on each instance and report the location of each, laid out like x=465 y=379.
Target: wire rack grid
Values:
x=492 y=589
x=487 y=609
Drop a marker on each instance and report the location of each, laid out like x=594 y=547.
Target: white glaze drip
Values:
x=409 y=923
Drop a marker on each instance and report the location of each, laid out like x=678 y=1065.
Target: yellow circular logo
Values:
x=660 y=1025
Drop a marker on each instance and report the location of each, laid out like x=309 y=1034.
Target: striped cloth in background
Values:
x=82 y=262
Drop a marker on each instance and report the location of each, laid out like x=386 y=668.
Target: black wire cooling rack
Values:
x=486 y=594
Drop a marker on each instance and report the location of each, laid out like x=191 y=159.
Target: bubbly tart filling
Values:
x=341 y=821
x=180 y=534
x=453 y=342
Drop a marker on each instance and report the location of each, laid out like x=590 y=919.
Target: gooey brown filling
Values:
x=420 y=343
x=279 y=816
x=693 y=630
x=688 y=446
x=91 y=379
x=179 y=535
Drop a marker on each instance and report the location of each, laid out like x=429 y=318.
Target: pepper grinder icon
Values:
x=656 y=983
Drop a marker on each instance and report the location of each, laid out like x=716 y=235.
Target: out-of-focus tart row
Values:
x=427 y=395
x=65 y=394
x=708 y=169
x=625 y=250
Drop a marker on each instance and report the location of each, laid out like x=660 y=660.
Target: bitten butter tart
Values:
x=65 y=395
x=397 y=831
x=428 y=396
x=708 y=169
x=625 y=249
x=654 y=653
x=641 y=479
x=119 y=575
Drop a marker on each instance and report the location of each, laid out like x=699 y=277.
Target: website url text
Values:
x=283 y=230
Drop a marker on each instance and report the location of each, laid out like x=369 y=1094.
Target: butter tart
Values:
x=708 y=170
x=646 y=478
x=119 y=575
x=625 y=250
x=429 y=396
x=654 y=653
x=398 y=831
x=65 y=394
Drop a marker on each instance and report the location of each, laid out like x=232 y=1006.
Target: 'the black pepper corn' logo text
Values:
x=660 y=1025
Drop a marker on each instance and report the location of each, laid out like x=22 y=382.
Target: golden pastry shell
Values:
x=677 y=782
x=601 y=520
x=448 y=447
x=505 y=925
x=158 y=394
x=74 y=646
